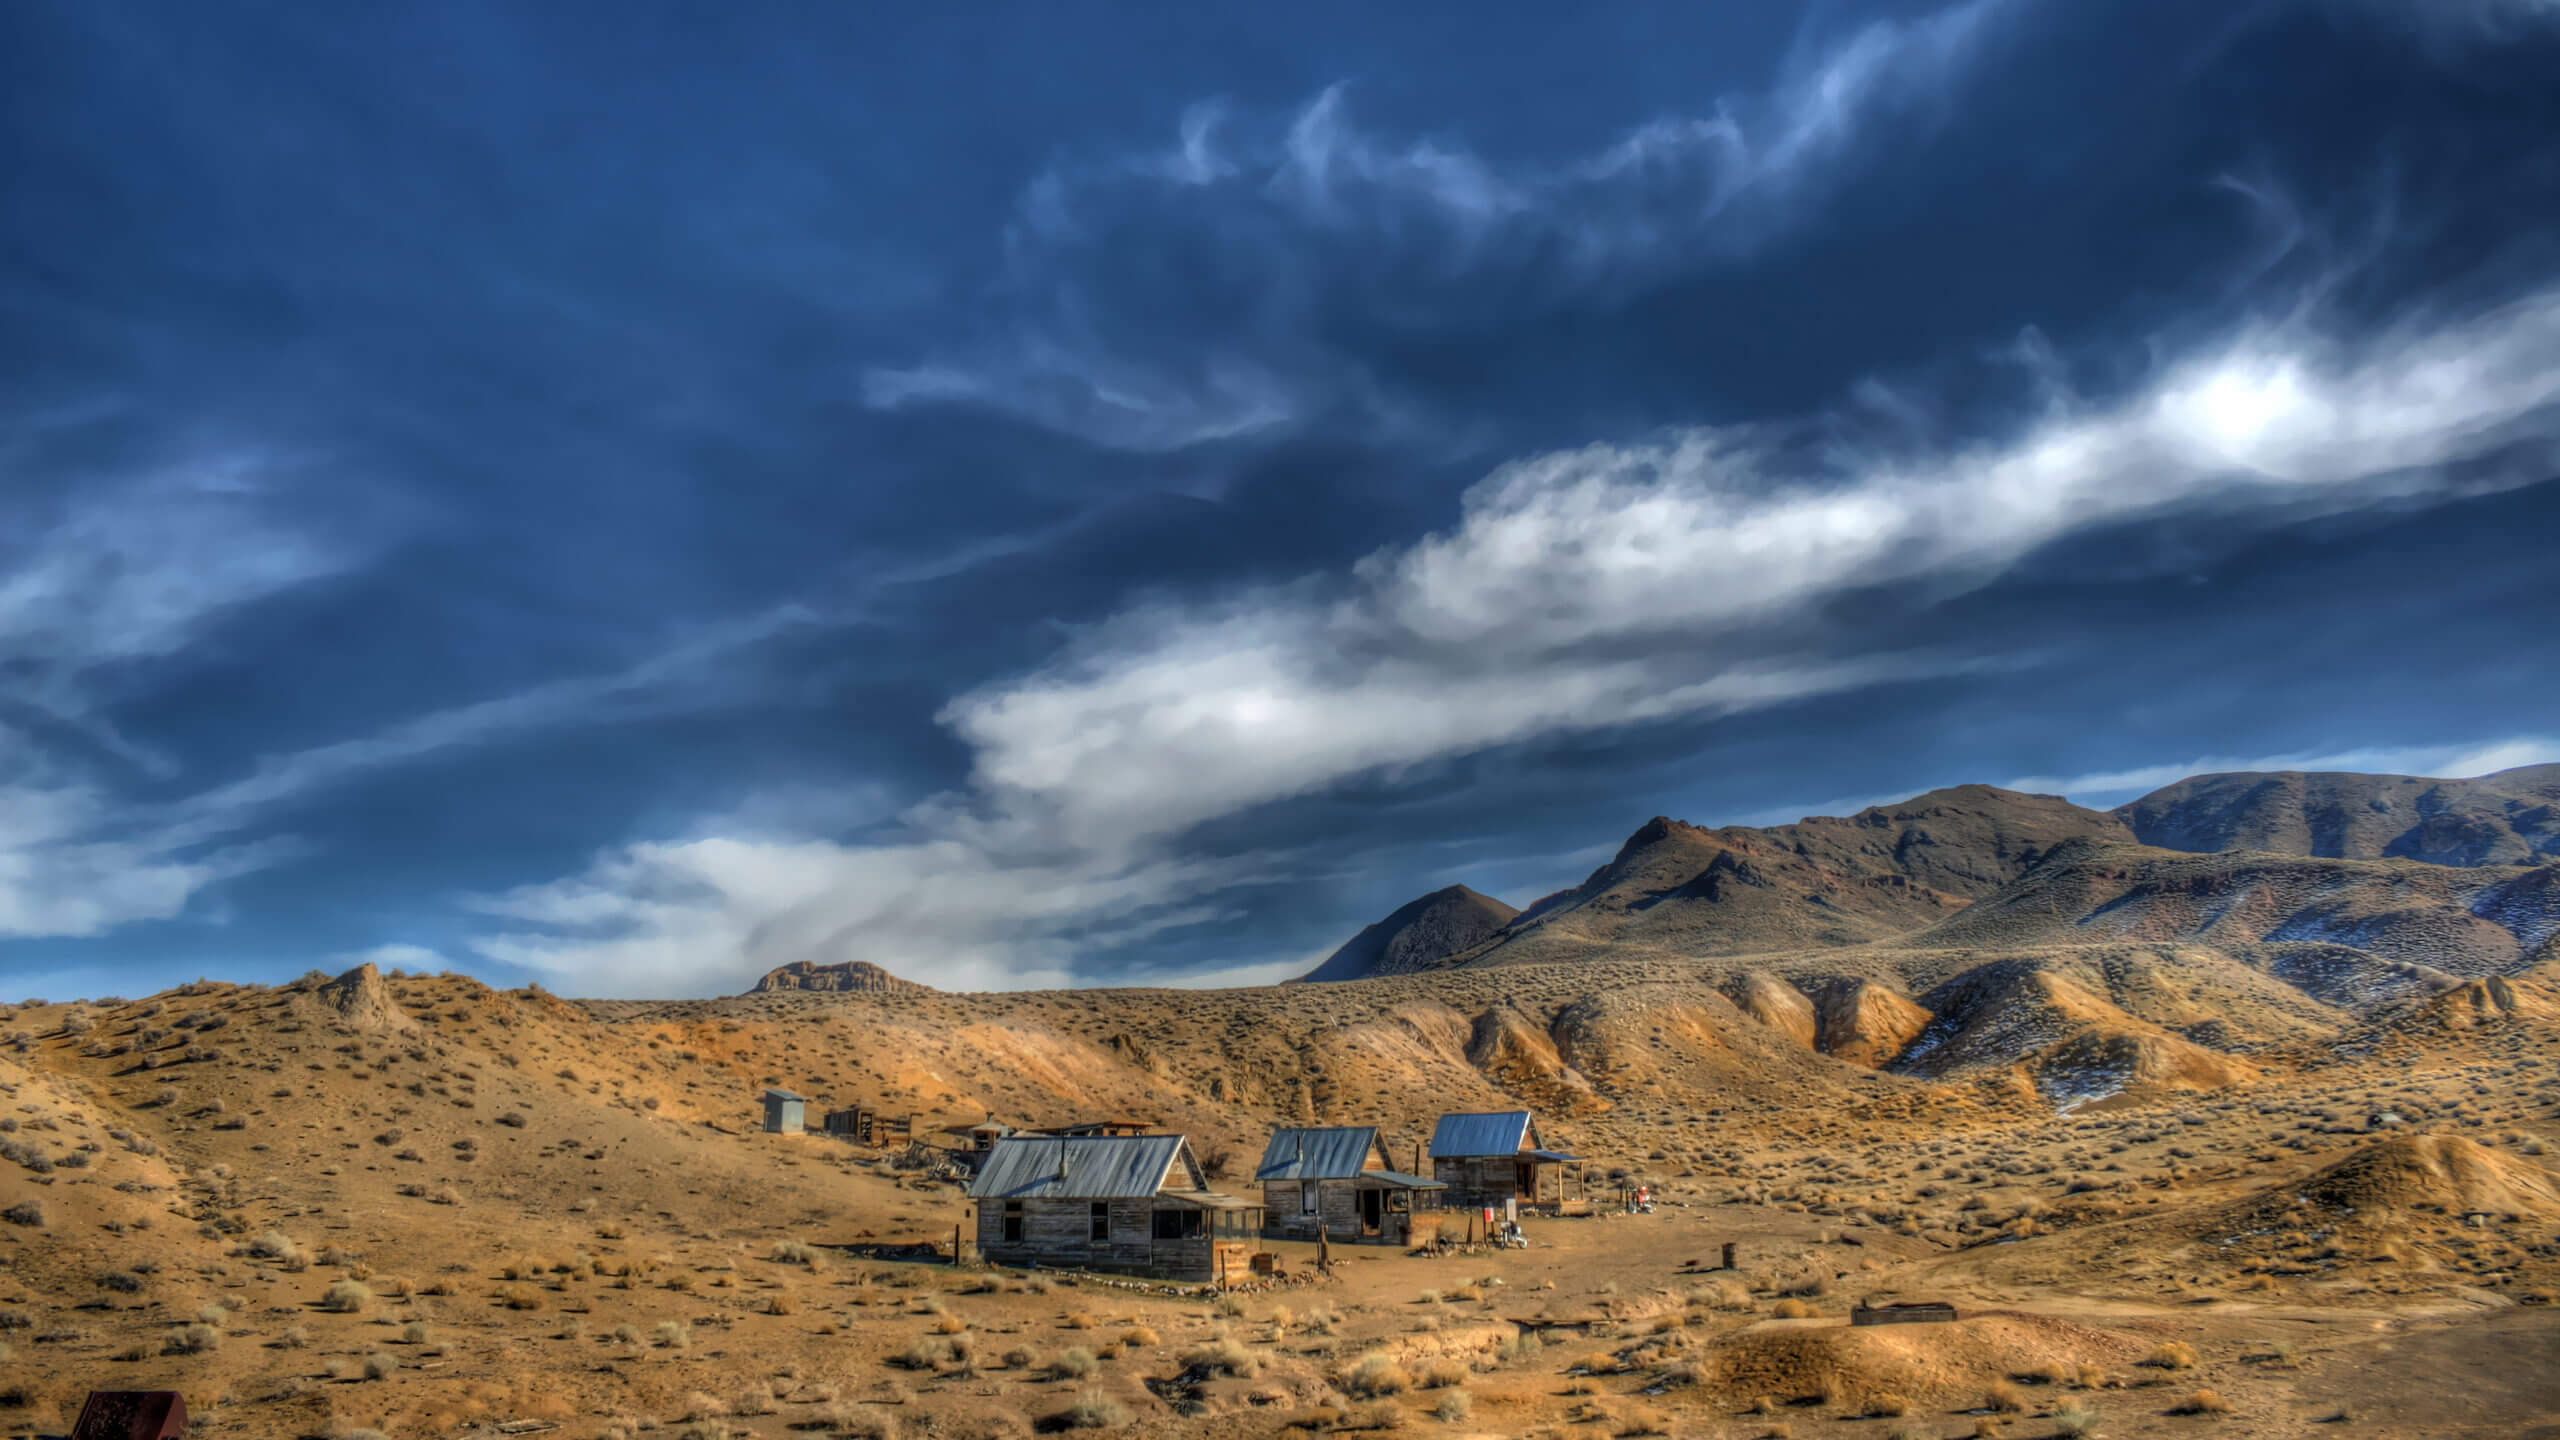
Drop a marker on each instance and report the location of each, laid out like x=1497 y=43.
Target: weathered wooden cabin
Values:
x=784 y=1112
x=1339 y=1181
x=1491 y=1159
x=1128 y=1204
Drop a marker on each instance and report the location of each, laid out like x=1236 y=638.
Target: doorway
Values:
x=1372 y=1211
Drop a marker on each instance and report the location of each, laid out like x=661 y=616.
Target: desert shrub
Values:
x=195 y=1339
x=25 y=1212
x=2202 y=1402
x=923 y=1355
x=1889 y=1405
x=2004 y=1398
x=512 y=1120
x=1644 y=1420
x=1441 y=1374
x=673 y=1335
x=794 y=1252
x=1791 y=1310
x=1221 y=1355
x=1092 y=1410
x=2075 y=1421
x=1454 y=1407
x=122 y=1282
x=1375 y=1375
x=1073 y=1363
x=1018 y=1358
x=381 y=1364
x=2175 y=1355
x=1140 y=1335
x=416 y=1333
x=346 y=1297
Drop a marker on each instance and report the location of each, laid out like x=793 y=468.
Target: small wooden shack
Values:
x=865 y=1126
x=785 y=1113
x=1128 y=1204
x=1489 y=1159
x=1339 y=1181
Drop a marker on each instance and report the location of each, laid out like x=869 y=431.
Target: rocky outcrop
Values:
x=852 y=975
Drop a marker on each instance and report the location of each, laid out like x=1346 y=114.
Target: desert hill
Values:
x=427 y=1207
x=2511 y=817
x=1677 y=888
x=1417 y=935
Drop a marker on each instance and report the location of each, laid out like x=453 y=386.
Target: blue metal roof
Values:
x=1335 y=1152
x=1081 y=1167
x=1498 y=1132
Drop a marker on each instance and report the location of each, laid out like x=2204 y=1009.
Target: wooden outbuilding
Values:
x=864 y=1125
x=1491 y=1159
x=1127 y=1204
x=785 y=1113
x=132 y=1415
x=1341 y=1182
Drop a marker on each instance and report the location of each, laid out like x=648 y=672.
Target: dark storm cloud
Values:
x=641 y=502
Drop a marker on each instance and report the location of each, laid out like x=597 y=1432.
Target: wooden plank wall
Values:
x=1059 y=1232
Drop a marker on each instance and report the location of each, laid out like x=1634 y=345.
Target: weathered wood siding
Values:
x=1477 y=1181
x=1060 y=1233
x=1337 y=1212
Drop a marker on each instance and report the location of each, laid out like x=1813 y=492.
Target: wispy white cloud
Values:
x=73 y=862
x=671 y=678
x=1676 y=190
x=63 y=873
x=1578 y=591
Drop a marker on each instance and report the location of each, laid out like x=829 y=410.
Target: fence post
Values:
x=1729 y=1248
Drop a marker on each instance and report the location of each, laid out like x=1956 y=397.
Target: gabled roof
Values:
x=1499 y=1132
x=1095 y=1167
x=1332 y=1152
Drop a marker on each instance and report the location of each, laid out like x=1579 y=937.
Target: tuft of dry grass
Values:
x=1222 y=1355
x=1374 y=1375
x=346 y=1297
x=2202 y=1402
x=2175 y=1355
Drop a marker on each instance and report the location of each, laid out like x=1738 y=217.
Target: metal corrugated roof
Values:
x=1098 y=1167
x=1334 y=1152
x=771 y=1094
x=1495 y=1133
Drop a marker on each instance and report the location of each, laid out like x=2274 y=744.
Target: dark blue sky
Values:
x=633 y=495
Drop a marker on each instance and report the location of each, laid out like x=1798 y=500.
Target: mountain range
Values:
x=1941 y=866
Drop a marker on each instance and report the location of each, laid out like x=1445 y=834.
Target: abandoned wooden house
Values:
x=1489 y=1160
x=865 y=1126
x=784 y=1112
x=1339 y=1180
x=1128 y=1204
